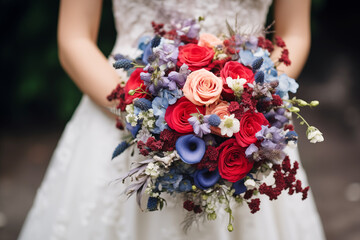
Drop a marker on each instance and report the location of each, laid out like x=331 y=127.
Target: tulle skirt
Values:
x=80 y=198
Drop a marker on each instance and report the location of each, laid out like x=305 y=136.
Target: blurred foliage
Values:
x=34 y=86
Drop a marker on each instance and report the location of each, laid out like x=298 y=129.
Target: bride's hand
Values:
x=78 y=53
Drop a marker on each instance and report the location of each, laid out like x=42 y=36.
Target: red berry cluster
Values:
x=118 y=94
x=276 y=100
x=284 y=179
x=289 y=127
x=247 y=103
x=217 y=65
x=190 y=206
x=266 y=44
x=230 y=45
x=119 y=124
x=210 y=159
x=254 y=205
x=284 y=58
x=185 y=39
x=169 y=138
x=151 y=145
x=158 y=28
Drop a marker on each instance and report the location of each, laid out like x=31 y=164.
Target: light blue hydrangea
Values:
x=286 y=84
x=171 y=95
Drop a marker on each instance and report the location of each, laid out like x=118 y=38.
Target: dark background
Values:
x=38 y=98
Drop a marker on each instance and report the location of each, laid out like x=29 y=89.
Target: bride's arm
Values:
x=78 y=52
x=292 y=23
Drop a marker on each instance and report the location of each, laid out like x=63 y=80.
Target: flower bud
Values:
x=132 y=92
x=302 y=103
x=230 y=227
x=314 y=103
x=294 y=109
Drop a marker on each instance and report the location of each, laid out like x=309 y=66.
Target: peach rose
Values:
x=219 y=108
x=209 y=40
x=202 y=87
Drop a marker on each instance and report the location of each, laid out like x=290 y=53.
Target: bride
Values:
x=76 y=199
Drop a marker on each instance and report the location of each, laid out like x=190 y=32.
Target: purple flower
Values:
x=276 y=118
x=168 y=54
x=179 y=77
x=201 y=128
x=188 y=27
x=252 y=148
x=272 y=138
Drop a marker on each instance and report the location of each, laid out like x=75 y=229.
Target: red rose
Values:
x=233 y=164
x=177 y=115
x=234 y=70
x=195 y=57
x=250 y=124
x=133 y=83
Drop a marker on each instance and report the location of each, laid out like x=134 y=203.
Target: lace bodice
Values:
x=133 y=18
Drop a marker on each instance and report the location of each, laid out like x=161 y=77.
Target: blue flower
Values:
x=159 y=106
x=170 y=96
x=291 y=136
x=170 y=181
x=152 y=204
x=190 y=148
x=147 y=52
x=246 y=57
x=133 y=130
x=286 y=84
x=185 y=185
x=143 y=42
x=204 y=178
x=239 y=186
x=160 y=125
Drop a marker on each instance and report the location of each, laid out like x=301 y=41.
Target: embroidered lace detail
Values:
x=133 y=18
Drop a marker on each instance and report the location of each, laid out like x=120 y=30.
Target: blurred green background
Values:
x=35 y=89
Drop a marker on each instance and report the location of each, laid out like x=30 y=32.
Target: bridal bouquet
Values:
x=212 y=116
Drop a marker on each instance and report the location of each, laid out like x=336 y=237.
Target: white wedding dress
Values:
x=78 y=198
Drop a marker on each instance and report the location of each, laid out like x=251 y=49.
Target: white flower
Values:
x=130 y=108
x=132 y=119
x=237 y=85
x=222 y=56
x=152 y=170
x=143 y=134
x=314 y=135
x=250 y=184
x=229 y=125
